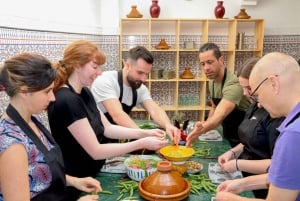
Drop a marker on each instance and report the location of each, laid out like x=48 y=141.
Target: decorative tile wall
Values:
x=52 y=44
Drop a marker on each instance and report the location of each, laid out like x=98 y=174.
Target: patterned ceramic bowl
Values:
x=140 y=166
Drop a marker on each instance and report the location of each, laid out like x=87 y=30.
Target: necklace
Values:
x=37 y=131
x=42 y=138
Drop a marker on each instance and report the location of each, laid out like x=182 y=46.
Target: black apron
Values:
x=126 y=108
x=53 y=158
x=86 y=167
x=231 y=123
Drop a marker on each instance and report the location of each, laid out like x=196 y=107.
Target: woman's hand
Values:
x=233 y=186
x=227 y=196
x=153 y=143
x=156 y=133
x=229 y=166
x=225 y=157
x=86 y=184
x=89 y=198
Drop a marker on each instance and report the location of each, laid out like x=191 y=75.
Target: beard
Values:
x=134 y=83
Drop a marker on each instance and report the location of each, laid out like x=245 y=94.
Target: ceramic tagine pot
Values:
x=134 y=13
x=187 y=74
x=165 y=184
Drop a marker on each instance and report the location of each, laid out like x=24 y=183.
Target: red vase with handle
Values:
x=154 y=9
x=219 y=9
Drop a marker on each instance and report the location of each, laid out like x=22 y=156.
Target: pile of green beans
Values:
x=201 y=182
x=202 y=152
x=127 y=188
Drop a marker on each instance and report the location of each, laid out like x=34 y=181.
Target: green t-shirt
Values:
x=232 y=91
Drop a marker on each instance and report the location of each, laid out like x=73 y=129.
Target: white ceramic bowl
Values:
x=140 y=166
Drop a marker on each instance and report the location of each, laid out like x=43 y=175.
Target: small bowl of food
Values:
x=177 y=153
x=139 y=167
x=193 y=167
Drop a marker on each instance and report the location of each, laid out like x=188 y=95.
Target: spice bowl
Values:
x=139 y=167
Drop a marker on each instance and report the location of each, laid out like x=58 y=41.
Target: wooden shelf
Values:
x=188 y=95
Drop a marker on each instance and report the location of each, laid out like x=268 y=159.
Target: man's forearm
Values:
x=125 y=120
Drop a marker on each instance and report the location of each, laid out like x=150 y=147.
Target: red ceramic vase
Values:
x=154 y=9
x=219 y=10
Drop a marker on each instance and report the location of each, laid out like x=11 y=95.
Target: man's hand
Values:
x=173 y=133
x=192 y=136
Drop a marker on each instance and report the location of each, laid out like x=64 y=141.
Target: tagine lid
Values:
x=164 y=184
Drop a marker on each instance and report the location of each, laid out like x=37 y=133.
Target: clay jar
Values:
x=154 y=9
x=164 y=184
x=219 y=10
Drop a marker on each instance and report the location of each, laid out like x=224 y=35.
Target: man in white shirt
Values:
x=117 y=92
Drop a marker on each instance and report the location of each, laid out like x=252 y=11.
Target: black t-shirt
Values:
x=65 y=110
x=258 y=133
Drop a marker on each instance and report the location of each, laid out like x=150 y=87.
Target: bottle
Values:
x=154 y=9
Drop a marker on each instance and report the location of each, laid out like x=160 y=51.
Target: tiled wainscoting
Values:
x=52 y=44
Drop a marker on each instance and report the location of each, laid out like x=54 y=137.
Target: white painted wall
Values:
x=102 y=16
x=57 y=15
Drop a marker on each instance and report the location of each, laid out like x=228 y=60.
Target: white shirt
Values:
x=106 y=87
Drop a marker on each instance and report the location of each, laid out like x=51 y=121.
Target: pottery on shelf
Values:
x=154 y=9
x=162 y=44
x=219 y=9
x=187 y=74
x=242 y=14
x=134 y=13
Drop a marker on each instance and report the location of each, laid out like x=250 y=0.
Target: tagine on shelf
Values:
x=187 y=74
x=162 y=45
x=134 y=13
x=242 y=14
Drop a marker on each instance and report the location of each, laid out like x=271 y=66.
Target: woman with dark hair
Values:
x=257 y=135
x=31 y=161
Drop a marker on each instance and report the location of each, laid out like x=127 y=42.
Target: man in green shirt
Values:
x=228 y=102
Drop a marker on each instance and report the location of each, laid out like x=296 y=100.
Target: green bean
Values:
x=201 y=182
x=120 y=196
x=202 y=152
x=130 y=198
x=127 y=187
x=105 y=192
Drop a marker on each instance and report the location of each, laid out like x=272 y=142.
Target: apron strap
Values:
x=16 y=117
x=223 y=81
x=134 y=93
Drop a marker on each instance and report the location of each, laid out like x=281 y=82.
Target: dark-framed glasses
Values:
x=253 y=96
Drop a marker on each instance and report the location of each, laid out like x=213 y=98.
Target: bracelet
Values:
x=234 y=154
x=236 y=165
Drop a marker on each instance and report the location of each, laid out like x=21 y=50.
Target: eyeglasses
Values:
x=255 y=97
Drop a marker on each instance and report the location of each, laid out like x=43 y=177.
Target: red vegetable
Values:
x=182 y=135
